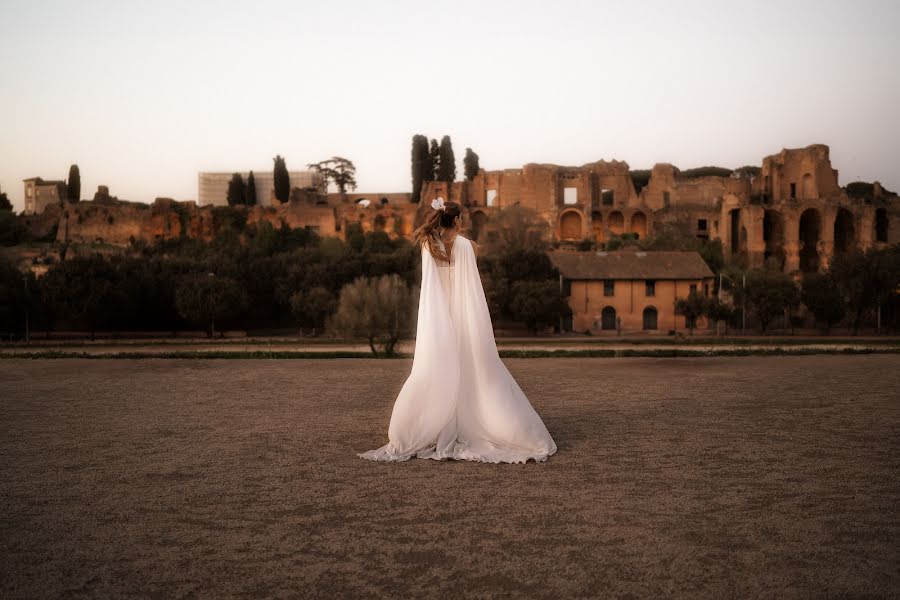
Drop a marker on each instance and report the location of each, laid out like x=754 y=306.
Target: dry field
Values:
x=713 y=477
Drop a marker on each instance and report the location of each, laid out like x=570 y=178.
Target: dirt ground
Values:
x=713 y=477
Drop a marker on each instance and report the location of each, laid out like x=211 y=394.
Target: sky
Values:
x=143 y=95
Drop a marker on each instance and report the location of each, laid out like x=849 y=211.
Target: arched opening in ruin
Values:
x=650 y=318
x=597 y=225
x=616 y=222
x=734 y=217
x=810 y=231
x=773 y=236
x=639 y=224
x=881 y=225
x=608 y=319
x=570 y=225
x=479 y=220
x=844 y=231
x=807 y=185
x=364 y=202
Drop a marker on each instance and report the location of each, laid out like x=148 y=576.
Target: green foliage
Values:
x=312 y=308
x=822 y=296
x=228 y=217
x=538 y=304
x=447 y=164
x=678 y=235
x=12 y=230
x=470 y=164
x=866 y=280
x=73 y=185
x=5 y=204
x=282 y=180
x=204 y=297
x=378 y=309
x=421 y=165
x=14 y=298
x=337 y=170
x=434 y=154
x=250 y=190
x=865 y=190
x=748 y=171
x=236 y=190
x=768 y=293
x=84 y=290
x=691 y=308
x=640 y=178
x=706 y=172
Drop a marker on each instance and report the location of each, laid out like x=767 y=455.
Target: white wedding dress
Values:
x=460 y=401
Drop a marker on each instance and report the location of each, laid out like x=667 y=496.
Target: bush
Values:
x=380 y=310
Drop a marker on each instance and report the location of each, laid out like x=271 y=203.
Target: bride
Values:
x=459 y=401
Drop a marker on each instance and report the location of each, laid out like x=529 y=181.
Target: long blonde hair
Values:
x=427 y=232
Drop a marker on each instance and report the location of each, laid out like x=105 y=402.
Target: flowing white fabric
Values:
x=460 y=401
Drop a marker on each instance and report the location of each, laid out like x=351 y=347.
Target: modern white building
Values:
x=212 y=187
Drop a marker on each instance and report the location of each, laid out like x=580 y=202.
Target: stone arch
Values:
x=615 y=222
x=810 y=231
x=651 y=318
x=844 y=231
x=773 y=236
x=479 y=220
x=597 y=225
x=570 y=225
x=881 y=225
x=807 y=186
x=608 y=318
x=639 y=224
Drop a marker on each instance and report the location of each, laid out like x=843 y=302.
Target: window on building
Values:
x=649 y=288
x=491 y=197
x=666 y=199
x=701 y=224
x=570 y=195
x=607 y=197
x=609 y=287
x=693 y=288
x=706 y=290
x=793 y=190
x=28 y=192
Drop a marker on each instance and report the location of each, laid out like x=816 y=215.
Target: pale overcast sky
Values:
x=143 y=95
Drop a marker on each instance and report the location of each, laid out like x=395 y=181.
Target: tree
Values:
x=470 y=164
x=420 y=164
x=718 y=311
x=282 y=180
x=5 y=204
x=13 y=298
x=250 y=190
x=12 y=231
x=73 y=185
x=691 y=308
x=447 y=164
x=434 y=153
x=866 y=280
x=313 y=307
x=822 y=296
x=379 y=309
x=83 y=291
x=768 y=293
x=236 y=190
x=537 y=304
x=204 y=297
x=337 y=170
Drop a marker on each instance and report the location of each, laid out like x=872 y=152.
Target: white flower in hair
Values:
x=438 y=204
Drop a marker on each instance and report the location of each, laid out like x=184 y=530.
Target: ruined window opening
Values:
x=666 y=199
x=609 y=287
x=490 y=197
x=650 y=289
x=570 y=195
x=793 y=190
x=881 y=225
x=607 y=197
x=701 y=224
x=692 y=289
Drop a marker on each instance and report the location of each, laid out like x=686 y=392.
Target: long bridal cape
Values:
x=460 y=401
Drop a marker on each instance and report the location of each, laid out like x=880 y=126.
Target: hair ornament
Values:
x=438 y=204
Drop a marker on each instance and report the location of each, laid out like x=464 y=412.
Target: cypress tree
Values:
x=447 y=162
x=236 y=190
x=434 y=154
x=421 y=160
x=73 y=186
x=282 y=180
x=470 y=163
x=250 y=190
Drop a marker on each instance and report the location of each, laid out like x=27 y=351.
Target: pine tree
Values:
x=282 y=180
x=470 y=163
x=73 y=186
x=250 y=190
x=421 y=160
x=434 y=153
x=235 y=190
x=447 y=162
